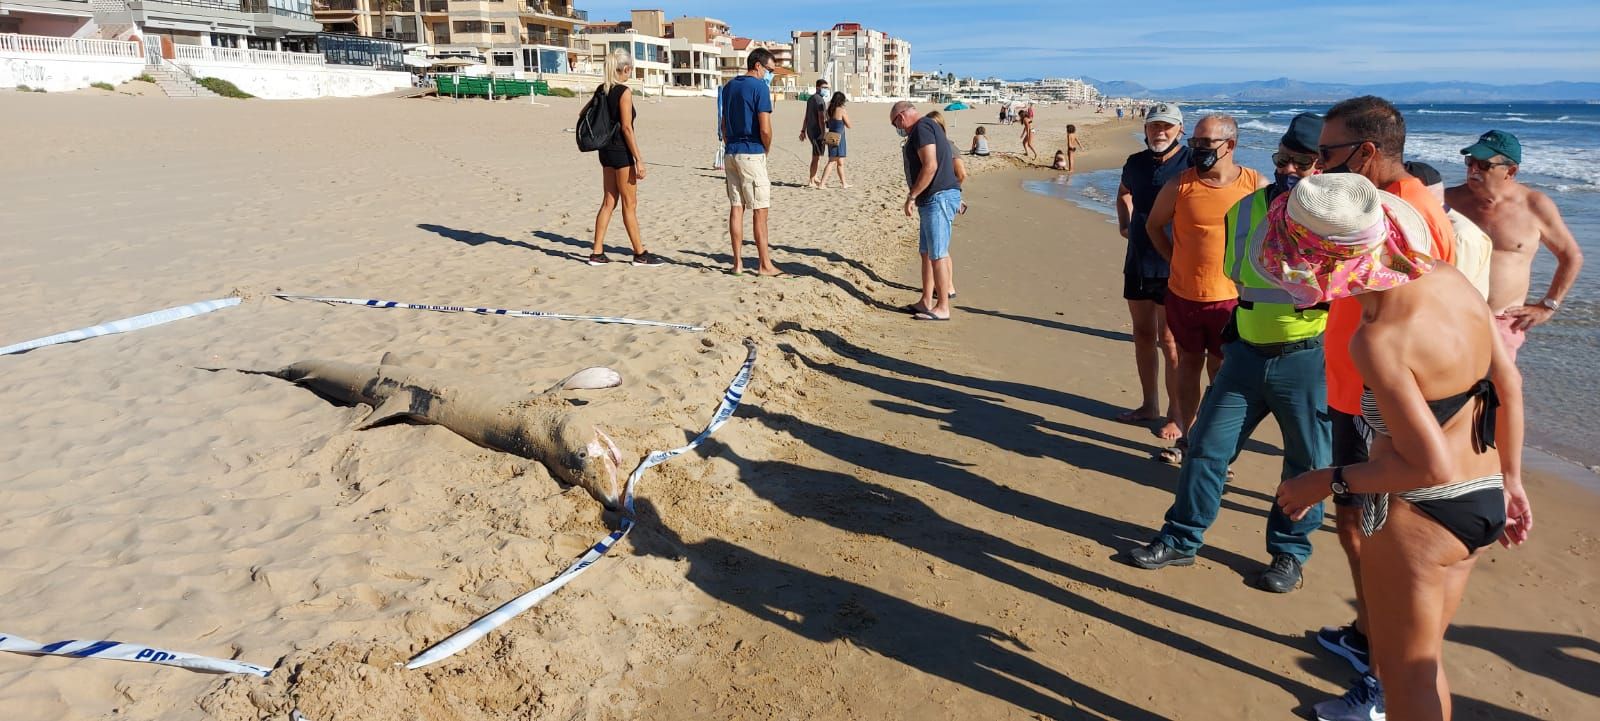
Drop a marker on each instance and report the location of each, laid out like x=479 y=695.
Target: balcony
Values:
x=438 y=7
x=334 y=6
x=558 y=10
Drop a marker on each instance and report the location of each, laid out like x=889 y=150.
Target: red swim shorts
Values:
x=1197 y=326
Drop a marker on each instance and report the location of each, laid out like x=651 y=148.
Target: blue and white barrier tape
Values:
x=498 y=617
x=118 y=651
x=492 y=311
x=125 y=325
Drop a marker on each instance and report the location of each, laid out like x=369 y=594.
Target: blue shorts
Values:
x=933 y=239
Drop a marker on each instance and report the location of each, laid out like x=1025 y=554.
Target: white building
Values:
x=696 y=65
x=652 y=56
x=858 y=61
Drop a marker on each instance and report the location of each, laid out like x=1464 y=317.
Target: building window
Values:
x=497 y=28
x=470 y=26
x=505 y=60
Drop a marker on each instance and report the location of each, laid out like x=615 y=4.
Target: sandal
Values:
x=1175 y=454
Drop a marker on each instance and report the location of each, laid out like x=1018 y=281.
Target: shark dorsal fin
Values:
x=400 y=406
x=588 y=379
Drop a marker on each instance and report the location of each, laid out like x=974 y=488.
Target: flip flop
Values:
x=1133 y=418
x=912 y=308
x=927 y=316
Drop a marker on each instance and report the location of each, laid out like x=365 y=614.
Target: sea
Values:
x=1560 y=157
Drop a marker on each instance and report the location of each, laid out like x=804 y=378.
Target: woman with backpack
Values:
x=621 y=165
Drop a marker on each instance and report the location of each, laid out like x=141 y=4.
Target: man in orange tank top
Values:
x=1365 y=135
x=1200 y=296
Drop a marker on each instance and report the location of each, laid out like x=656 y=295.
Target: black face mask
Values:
x=1284 y=182
x=1203 y=160
x=1345 y=166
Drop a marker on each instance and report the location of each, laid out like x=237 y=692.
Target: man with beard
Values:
x=1144 y=271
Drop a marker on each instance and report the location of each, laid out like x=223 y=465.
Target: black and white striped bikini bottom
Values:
x=1473 y=511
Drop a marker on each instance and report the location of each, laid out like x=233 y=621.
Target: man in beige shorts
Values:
x=1518 y=219
x=747 y=133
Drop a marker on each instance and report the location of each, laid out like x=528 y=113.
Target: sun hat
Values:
x=1336 y=235
x=1495 y=142
x=1164 y=113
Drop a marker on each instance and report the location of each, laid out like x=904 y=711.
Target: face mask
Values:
x=768 y=77
x=902 y=132
x=1343 y=167
x=1284 y=182
x=1203 y=160
x=1160 y=149
x=824 y=93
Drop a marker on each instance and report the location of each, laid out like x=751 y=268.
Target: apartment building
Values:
x=511 y=36
x=238 y=24
x=859 y=61
x=710 y=31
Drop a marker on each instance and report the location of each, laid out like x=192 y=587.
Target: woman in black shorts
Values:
x=621 y=166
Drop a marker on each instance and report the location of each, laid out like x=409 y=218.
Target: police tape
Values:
x=509 y=313
x=124 y=325
x=516 y=606
x=119 y=651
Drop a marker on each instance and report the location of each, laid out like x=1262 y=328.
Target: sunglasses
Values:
x=1484 y=165
x=1283 y=160
x=1323 y=150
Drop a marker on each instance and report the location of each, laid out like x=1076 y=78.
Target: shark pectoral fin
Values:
x=588 y=379
x=395 y=407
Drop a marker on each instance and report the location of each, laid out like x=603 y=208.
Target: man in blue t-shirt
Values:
x=1144 y=271
x=934 y=193
x=747 y=134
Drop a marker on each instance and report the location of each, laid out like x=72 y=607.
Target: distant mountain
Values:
x=1286 y=90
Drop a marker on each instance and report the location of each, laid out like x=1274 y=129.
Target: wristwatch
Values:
x=1338 y=485
x=1551 y=303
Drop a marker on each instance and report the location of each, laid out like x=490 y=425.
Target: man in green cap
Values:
x=1518 y=219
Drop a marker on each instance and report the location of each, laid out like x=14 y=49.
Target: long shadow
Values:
x=774 y=183
x=1463 y=708
x=866 y=508
x=852 y=262
x=1052 y=324
x=1021 y=391
x=952 y=476
x=584 y=246
x=825 y=609
x=1537 y=652
x=810 y=271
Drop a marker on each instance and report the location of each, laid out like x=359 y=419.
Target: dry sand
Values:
x=905 y=520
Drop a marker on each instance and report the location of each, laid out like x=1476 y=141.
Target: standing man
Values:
x=1200 y=298
x=1518 y=219
x=1365 y=135
x=747 y=130
x=815 y=125
x=1274 y=367
x=1144 y=271
x=934 y=194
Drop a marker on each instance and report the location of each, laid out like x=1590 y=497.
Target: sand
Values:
x=904 y=521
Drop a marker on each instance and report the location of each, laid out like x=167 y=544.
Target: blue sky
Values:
x=1163 y=44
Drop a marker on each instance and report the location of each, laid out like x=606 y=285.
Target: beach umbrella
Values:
x=455 y=62
x=957 y=105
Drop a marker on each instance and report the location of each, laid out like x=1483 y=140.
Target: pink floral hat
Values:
x=1336 y=235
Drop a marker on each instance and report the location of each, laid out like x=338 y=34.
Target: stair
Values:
x=175 y=83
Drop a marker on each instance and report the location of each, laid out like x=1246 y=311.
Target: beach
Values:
x=902 y=520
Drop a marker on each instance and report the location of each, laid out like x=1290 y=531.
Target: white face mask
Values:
x=824 y=93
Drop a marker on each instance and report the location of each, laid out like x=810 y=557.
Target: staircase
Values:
x=175 y=83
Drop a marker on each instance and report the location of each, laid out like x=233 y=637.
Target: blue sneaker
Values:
x=1363 y=702
x=1347 y=643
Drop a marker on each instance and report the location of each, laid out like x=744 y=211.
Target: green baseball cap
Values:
x=1495 y=142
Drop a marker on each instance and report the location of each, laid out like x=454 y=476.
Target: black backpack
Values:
x=596 y=127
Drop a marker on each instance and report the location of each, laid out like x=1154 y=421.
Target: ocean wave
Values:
x=1564 y=164
x=1288 y=113
x=1563 y=120
x=1425 y=111
x=1263 y=127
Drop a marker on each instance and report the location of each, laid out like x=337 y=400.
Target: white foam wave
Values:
x=1563 y=120
x=1563 y=163
x=1288 y=113
x=1263 y=127
x=1425 y=111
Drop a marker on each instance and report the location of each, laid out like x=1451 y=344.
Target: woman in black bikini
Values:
x=1445 y=404
x=621 y=165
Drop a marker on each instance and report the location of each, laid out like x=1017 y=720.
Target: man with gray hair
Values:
x=1200 y=296
x=934 y=194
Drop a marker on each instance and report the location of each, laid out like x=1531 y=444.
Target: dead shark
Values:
x=545 y=427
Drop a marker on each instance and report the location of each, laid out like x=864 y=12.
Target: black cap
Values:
x=1303 y=132
x=1424 y=172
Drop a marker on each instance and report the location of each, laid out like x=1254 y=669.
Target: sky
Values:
x=1162 y=44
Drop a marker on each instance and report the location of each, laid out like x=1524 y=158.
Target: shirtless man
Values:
x=1518 y=219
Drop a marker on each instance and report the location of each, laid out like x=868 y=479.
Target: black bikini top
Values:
x=1446 y=408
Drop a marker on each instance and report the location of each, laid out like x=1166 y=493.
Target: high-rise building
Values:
x=857 y=60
